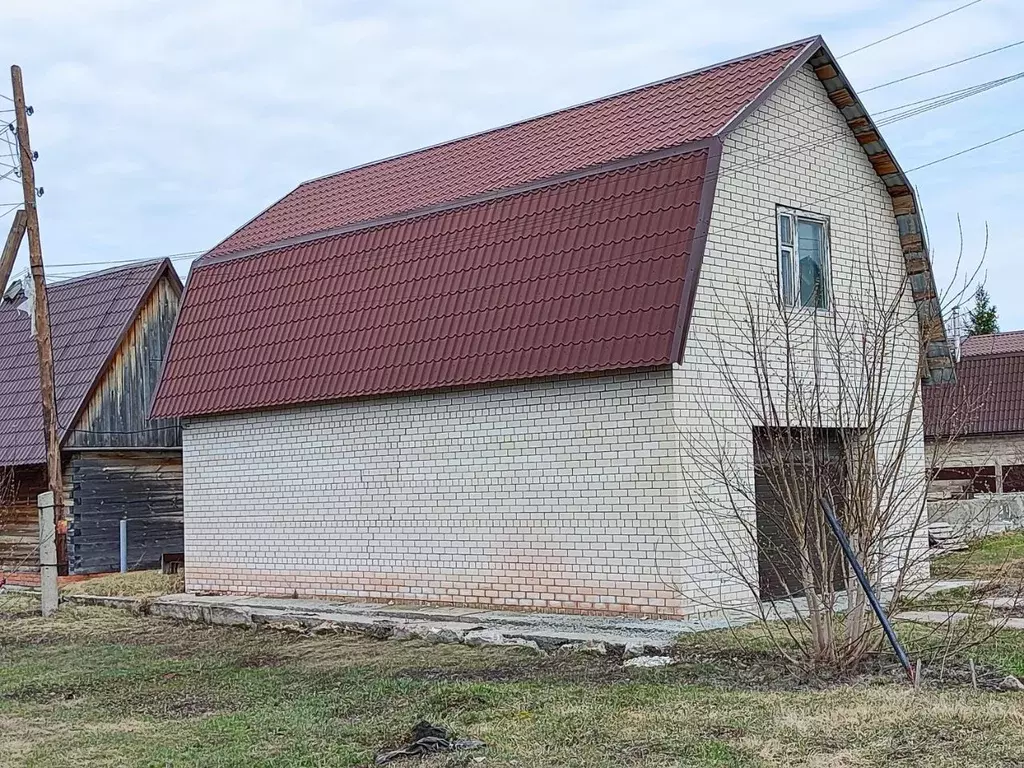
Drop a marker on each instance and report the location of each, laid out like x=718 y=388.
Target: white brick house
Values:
x=497 y=371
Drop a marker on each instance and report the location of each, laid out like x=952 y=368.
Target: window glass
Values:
x=786 y=275
x=811 y=252
x=803 y=259
x=785 y=229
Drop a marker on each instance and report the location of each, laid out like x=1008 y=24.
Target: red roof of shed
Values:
x=986 y=398
x=565 y=244
x=993 y=343
x=88 y=318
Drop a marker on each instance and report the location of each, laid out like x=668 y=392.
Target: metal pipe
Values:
x=851 y=558
x=124 y=546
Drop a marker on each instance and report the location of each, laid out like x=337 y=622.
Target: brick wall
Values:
x=795 y=151
x=590 y=494
x=555 y=495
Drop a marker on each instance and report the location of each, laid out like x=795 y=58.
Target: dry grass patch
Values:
x=103 y=687
x=133 y=584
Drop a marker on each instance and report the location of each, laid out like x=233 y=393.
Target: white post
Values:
x=47 y=554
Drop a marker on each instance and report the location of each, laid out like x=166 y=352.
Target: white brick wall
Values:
x=555 y=495
x=588 y=494
x=795 y=151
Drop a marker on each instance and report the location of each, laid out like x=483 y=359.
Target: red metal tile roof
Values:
x=986 y=398
x=670 y=113
x=88 y=317
x=993 y=343
x=583 y=275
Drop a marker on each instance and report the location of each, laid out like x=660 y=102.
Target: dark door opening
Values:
x=793 y=469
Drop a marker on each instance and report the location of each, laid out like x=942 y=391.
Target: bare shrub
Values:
x=829 y=404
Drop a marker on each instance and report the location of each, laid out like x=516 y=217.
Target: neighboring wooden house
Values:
x=499 y=371
x=110 y=331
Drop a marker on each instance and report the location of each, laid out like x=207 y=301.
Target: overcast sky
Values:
x=162 y=126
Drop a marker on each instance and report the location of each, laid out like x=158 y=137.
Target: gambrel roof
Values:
x=566 y=244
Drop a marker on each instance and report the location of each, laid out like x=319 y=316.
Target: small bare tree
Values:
x=829 y=405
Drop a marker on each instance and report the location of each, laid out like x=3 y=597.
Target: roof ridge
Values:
x=107 y=272
x=635 y=89
x=996 y=333
x=614 y=166
x=991 y=355
x=385 y=162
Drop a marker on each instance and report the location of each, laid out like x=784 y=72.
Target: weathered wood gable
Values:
x=117 y=413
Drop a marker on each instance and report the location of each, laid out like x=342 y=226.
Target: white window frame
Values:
x=790 y=295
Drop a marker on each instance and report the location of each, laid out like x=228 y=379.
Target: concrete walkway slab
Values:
x=1002 y=603
x=451 y=624
x=947 y=585
x=433 y=623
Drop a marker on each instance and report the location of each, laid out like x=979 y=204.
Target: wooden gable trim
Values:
x=939 y=360
x=938 y=357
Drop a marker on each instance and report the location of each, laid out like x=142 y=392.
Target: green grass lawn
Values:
x=100 y=687
x=999 y=556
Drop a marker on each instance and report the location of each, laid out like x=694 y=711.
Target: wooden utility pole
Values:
x=10 y=251
x=41 y=315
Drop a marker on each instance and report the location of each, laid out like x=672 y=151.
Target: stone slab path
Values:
x=439 y=624
x=1002 y=603
x=548 y=631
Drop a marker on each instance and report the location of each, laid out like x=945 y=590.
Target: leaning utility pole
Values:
x=41 y=317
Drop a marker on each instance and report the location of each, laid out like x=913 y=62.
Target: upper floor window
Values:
x=803 y=259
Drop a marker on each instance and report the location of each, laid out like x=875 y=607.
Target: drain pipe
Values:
x=124 y=545
x=851 y=558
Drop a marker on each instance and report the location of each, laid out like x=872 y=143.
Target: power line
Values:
x=856 y=187
x=172 y=256
x=969 y=149
x=909 y=29
x=922 y=106
x=820 y=200
x=737 y=169
x=919 y=107
x=944 y=66
x=770 y=216
x=59 y=273
x=970 y=90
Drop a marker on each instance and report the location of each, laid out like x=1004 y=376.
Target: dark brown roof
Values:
x=88 y=318
x=986 y=398
x=586 y=275
x=681 y=110
x=993 y=343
